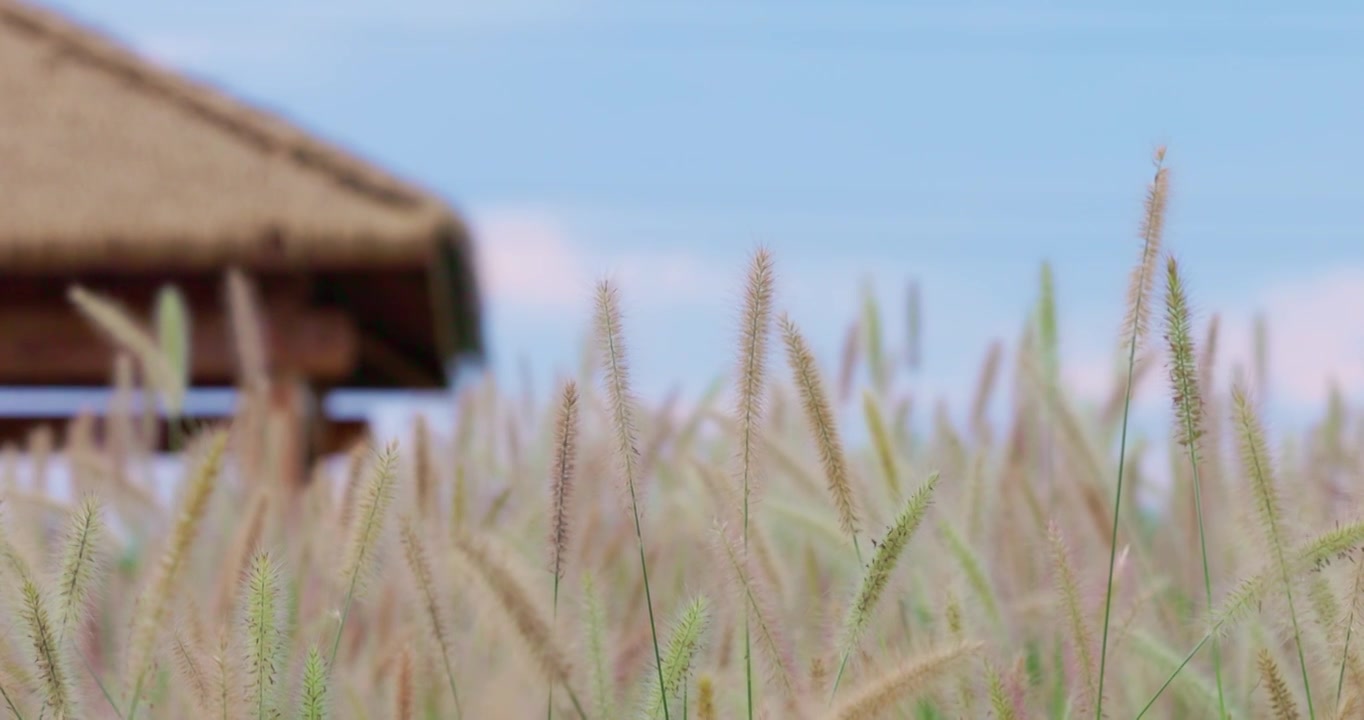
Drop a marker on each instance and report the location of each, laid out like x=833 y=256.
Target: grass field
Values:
x=585 y=555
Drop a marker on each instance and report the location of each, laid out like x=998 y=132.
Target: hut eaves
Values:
x=111 y=164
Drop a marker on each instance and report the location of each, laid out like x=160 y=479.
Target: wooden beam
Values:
x=332 y=436
x=381 y=355
x=50 y=346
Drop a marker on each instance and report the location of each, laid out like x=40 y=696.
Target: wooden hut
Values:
x=121 y=176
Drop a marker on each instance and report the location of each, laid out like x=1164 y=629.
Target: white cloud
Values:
x=1316 y=336
x=530 y=261
x=526 y=260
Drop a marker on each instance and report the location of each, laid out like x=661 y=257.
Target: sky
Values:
x=959 y=144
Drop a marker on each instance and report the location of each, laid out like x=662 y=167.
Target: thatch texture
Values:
x=122 y=175
x=108 y=161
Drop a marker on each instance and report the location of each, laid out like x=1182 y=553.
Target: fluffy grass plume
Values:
x=190 y=666
x=684 y=642
x=83 y=562
x=119 y=326
x=365 y=531
x=906 y=679
x=52 y=670
x=770 y=637
x=1188 y=405
x=173 y=333
x=263 y=635
x=1258 y=468
x=877 y=578
x=419 y=564
x=248 y=330
x=238 y=558
x=513 y=600
x=751 y=375
x=1134 y=333
x=753 y=339
x=594 y=627
x=1280 y=697
x=560 y=487
x=561 y=481
x=1000 y=702
x=314 y=702
x=611 y=337
x=820 y=419
x=155 y=601
x=881 y=442
x=1068 y=597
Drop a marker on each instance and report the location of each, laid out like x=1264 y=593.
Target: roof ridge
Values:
x=266 y=131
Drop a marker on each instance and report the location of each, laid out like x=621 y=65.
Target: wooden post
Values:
x=290 y=420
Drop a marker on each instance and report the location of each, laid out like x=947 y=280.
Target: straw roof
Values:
x=107 y=161
x=113 y=167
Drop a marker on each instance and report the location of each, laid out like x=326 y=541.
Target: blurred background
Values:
x=868 y=144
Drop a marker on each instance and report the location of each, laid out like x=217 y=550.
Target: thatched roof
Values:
x=112 y=166
x=106 y=159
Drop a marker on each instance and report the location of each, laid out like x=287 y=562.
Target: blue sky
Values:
x=957 y=143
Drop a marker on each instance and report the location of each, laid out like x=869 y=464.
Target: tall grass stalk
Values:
x=611 y=337
x=364 y=532
x=1255 y=455
x=561 y=484
x=1139 y=312
x=752 y=371
x=1249 y=593
x=419 y=563
x=1189 y=414
x=156 y=599
x=883 y=562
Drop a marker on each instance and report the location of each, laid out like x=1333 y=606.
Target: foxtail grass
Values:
x=53 y=672
x=877 y=578
x=684 y=643
x=366 y=528
x=1068 y=599
x=1000 y=702
x=154 y=605
x=907 y=679
x=514 y=602
x=561 y=486
x=1280 y=697
x=594 y=627
x=1250 y=591
x=124 y=331
x=752 y=372
x=83 y=566
x=771 y=637
x=1356 y=612
x=611 y=337
x=419 y=564
x=820 y=420
x=263 y=635
x=881 y=443
x=1268 y=505
x=314 y=701
x=189 y=665
x=1188 y=402
x=1134 y=330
